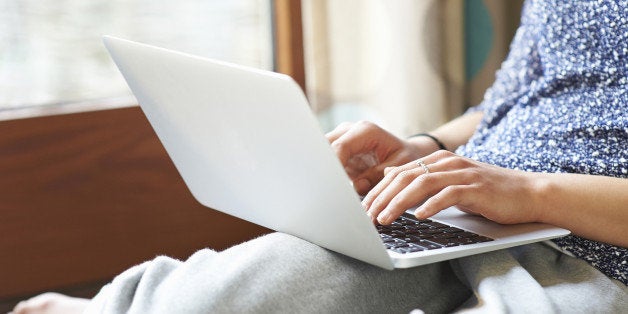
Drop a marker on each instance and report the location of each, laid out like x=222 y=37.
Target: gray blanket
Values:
x=279 y=273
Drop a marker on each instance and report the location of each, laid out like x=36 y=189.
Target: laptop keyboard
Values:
x=407 y=234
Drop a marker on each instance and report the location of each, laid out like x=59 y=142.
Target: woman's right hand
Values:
x=365 y=150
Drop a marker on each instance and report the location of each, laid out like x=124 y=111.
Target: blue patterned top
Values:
x=559 y=104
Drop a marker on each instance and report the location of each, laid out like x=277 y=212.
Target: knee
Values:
x=282 y=244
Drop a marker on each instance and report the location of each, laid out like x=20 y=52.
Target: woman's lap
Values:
x=281 y=273
x=278 y=273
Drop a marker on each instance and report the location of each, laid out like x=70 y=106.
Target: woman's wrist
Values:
x=422 y=144
x=458 y=131
x=434 y=139
x=541 y=189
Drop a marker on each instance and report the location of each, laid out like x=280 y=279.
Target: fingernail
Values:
x=382 y=218
x=362 y=185
x=364 y=204
x=419 y=213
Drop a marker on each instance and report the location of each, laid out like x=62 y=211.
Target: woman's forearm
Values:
x=593 y=207
x=456 y=132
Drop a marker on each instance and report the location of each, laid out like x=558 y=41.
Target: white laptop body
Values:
x=247 y=144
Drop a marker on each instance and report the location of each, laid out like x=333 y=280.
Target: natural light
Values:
x=51 y=51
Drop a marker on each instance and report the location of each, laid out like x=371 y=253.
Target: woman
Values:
x=549 y=143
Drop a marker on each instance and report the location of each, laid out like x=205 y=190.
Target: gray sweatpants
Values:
x=279 y=273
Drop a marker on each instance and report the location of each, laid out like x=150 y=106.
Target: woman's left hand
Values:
x=499 y=194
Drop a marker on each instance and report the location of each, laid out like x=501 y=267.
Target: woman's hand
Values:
x=365 y=150
x=499 y=194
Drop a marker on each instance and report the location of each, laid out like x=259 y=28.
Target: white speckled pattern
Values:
x=559 y=104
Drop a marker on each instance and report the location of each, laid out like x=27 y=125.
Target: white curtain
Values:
x=398 y=63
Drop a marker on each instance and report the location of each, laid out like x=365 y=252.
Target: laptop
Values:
x=246 y=143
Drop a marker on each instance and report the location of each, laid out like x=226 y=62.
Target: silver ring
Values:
x=420 y=162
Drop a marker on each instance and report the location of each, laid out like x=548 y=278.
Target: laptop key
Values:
x=453 y=230
x=439 y=225
x=430 y=245
x=444 y=235
x=445 y=242
x=415 y=248
x=413 y=238
x=465 y=241
x=403 y=250
x=422 y=226
x=431 y=231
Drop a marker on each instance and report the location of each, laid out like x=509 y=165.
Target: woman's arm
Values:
x=593 y=207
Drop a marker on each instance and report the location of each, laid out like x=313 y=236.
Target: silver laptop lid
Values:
x=247 y=144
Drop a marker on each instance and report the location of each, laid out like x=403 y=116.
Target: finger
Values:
x=341 y=129
x=400 y=182
x=448 y=161
x=436 y=162
x=438 y=156
x=447 y=197
x=358 y=139
x=388 y=169
x=420 y=189
x=383 y=183
x=391 y=172
x=373 y=175
x=362 y=185
x=365 y=181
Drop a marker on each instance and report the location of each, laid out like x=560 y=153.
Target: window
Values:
x=51 y=51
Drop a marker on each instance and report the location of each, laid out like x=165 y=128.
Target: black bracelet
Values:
x=437 y=141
